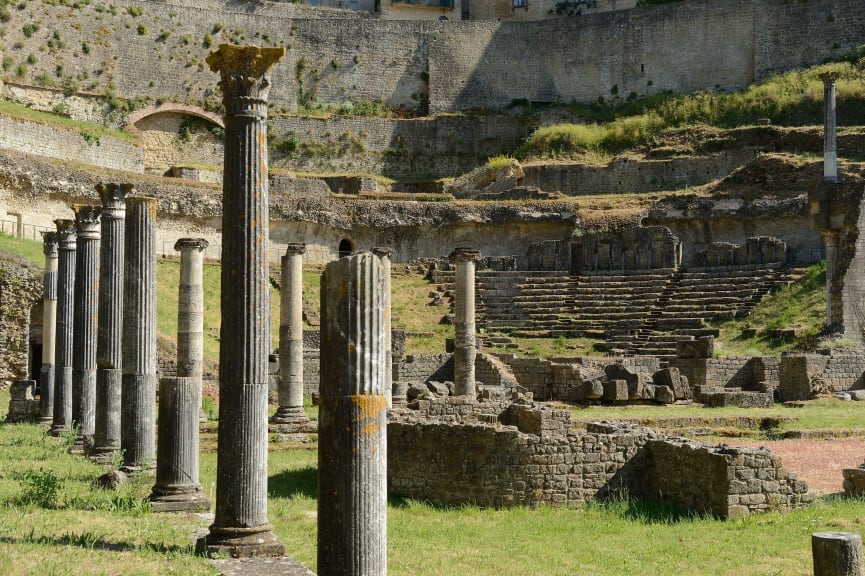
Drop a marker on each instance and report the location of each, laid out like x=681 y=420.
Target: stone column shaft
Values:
x=837 y=554
x=830 y=130
x=138 y=395
x=830 y=239
x=49 y=327
x=177 y=486
x=240 y=526
x=86 y=321
x=352 y=453
x=109 y=346
x=385 y=253
x=465 y=345
x=65 y=317
x=291 y=339
x=190 y=308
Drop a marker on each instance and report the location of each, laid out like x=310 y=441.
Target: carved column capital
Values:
x=87 y=220
x=66 y=233
x=464 y=255
x=113 y=196
x=50 y=243
x=199 y=244
x=828 y=77
x=245 y=76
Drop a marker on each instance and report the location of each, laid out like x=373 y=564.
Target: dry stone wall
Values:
x=20 y=290
x=157 y=50
x=450 y=453
x=70 y=145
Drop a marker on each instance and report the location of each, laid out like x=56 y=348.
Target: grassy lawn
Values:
x=53 y=522
x=818 y=414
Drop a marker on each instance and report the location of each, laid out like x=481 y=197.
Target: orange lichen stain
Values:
x=369 y=429
x=370 y=405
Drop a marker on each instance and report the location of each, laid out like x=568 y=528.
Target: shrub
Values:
x=135 y=11
x=41 y=488
x=29 y=29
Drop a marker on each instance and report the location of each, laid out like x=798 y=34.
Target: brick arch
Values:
x=177 y=109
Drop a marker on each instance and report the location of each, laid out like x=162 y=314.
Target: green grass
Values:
x=27 y=249
x=86 y=531
x=824 y=413
x=89 y=131
x=791 y=99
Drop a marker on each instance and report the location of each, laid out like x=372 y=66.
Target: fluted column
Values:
x=86 y=319
x=465 y=345
x=109 y=345
x=138 y=394
x=240 y=527
x=385 y=253
x=65 y=318
x=291 y=339
x=50 y=243
x=177 y=486
x=352 y=449
x=830 y=128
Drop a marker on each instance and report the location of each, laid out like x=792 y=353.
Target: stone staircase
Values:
x=645 y=312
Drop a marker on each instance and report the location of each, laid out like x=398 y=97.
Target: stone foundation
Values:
x=452 y=452
x=23 y=405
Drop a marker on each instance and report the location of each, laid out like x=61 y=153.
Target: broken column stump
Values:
x=837 y=554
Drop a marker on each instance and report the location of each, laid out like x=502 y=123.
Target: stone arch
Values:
x=346 y=247
x=176 y=135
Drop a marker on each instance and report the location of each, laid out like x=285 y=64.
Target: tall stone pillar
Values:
x=830 y=130
x=65 y=314
x=86 y=318
x=109 y=345
x=50 y=244
x=830 y=239
x=465 y=346
x=177 y=486
x=138 y=394
x=352 y=449
x=240 y=527
x=290 y=412
x=385 y=253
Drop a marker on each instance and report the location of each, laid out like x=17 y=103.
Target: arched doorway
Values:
x=346 y=247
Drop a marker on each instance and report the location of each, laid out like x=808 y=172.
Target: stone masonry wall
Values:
x=424 y=147
x=70 y=145
x=424 y=367
x=532 y=456
x=157 y=50
x=731 y=372
x=20 y=290
x=629 y=176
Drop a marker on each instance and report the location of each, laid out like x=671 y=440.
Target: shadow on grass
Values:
x=90 y=541
x=648 y=511
x=302 y=482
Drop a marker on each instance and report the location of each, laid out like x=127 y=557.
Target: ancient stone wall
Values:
x=20 y=290
x=532 y=456
x=748 y=373
x=70 y=145
x=627 y=248
x=802 y=376
x=421 y=148
x=424 y=367
x=157 y=50
x=630 y=176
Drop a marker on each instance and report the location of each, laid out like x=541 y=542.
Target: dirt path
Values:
x=817 y=462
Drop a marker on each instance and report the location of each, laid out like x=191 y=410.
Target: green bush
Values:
x=41 y=488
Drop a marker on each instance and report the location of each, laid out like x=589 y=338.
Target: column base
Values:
x=103 y=454
x=258 y=542
x=58 y=430
x=178 y=499
x=82 y=445
x=46 y=421
x=292 y=420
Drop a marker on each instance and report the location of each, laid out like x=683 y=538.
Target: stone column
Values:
x=177 y=486
x=240 y=527
x=830 y=136
x=352 y=449
x=19 y=223
x=385 y=253
x=85 y=323
x=465 y=347
x=138 y=394
x=65 y=313
x=109 y=345
x=290 y=410
x=837 y=554
x=830 y=239
x=50 y=242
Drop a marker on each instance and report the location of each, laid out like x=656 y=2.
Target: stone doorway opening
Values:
x=346 y=247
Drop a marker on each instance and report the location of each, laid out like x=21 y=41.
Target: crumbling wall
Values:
x=532 y=456
x=20 y=290
x=803 y=376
